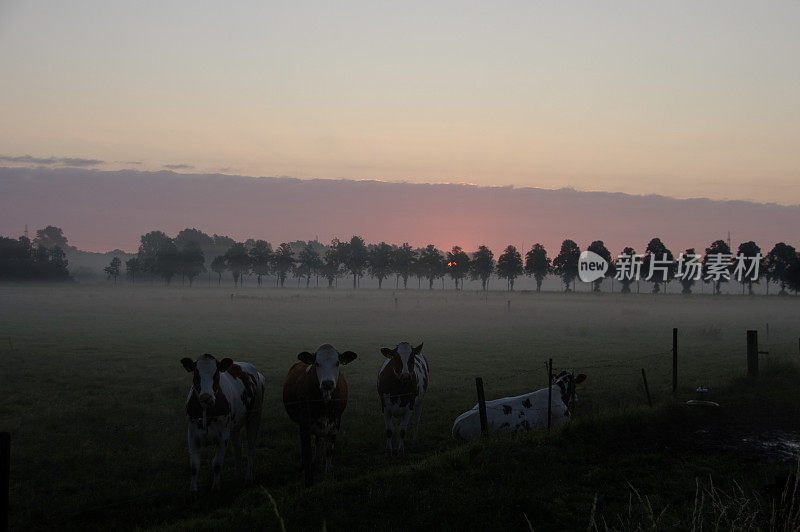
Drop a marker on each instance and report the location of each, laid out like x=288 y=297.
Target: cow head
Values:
x=326 y=361
x=566 y=381
x=402 y=359
x=206 y=370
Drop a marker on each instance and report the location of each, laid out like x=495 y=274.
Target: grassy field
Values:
x=93 y=395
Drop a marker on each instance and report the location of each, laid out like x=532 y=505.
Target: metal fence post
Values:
x=481 y=406
x=674 y=360
x=549 y=391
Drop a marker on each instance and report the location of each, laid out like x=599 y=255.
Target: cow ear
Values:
x=188 y=364
x=224 y=364
x=388 y=353
x=347 y=357
x=580 y=378
x=418 y=349
x=306 y=357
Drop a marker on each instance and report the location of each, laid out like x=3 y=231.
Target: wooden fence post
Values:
x=646 y=389
x=752 y=353
x=5 y=475
x=305 y=447
x=481 y=406
x=549 y=391
x=674 y=360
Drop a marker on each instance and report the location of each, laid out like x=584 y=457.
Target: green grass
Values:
x=94 y=393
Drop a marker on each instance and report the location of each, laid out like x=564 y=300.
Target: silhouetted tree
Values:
x=167 y=261
x=50 y=237
x=509 y=266
x=282 y=262
x=331 y=265
x=308 y=262
x=717 y=259
x=260 y=259
x=133 y=266
x=752 y=254
x=662 y=262
x=431 y=262
x=625 y=281
x=777 y=263
x=793 y=274
x=218 y=266
x=458 y=265
x=688 y=280
x=20 y=261
x=600 y=249
x=237 y=261
x=537 y=264
x=192 y=261
x=112 y=270
x=354 y=257
x=482 y=265
x=403 y=259
x=565 y=265
x=154 y=244
x=379 y=260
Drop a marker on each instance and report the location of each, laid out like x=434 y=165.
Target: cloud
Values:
x=69 y=161
x=178 y=166
x=128 y=162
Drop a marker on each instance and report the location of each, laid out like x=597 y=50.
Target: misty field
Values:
x=93 y=391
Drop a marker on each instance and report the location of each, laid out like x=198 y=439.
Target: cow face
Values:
x=326 y=362
x=403 y=357
x=206 y=370
x=566 y=381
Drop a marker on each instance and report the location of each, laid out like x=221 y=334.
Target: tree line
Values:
x=42 y=259
x=185 y=256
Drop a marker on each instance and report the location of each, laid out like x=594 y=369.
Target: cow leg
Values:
x=219 y=457
x=330 y=442
x=236 y=442
x=417 y=415
x=319 y=451
x=253 y=424
x=387 y=419
x=402 y=432
x=194 y=460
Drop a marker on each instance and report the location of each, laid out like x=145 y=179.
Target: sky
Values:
x=684 y=99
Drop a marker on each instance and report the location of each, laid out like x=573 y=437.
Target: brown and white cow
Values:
x=402 y=383
x=225 y=396
x=315 y=393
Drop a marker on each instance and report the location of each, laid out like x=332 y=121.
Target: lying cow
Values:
x=525 y=412
x=225 y=396
x=402 y=383
x=315 y=393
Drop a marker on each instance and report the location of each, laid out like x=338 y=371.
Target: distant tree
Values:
x=133 y=266
x=660 y=260
x=625 y=281
x=50 y=237
x=113 y=268
x=537 y=264
x=354 y=257
x=196 y=236
x=308 y=262
x=379 y=262
x=600 y=249
x=331 y=267
x=793 y=274
x=420 y=270
x=687 y=280
x=752 y=255
x=283 y=262
x=152 y=245
x=777 y=264
x=237 y=261
x=431 y=264
x=192 y=261
x=565 y=265
x=509 y=266
x=20 y=261
x=403 y=259
x=717 y=264
x=218 y=266
x=482 y=265
x=458 y=265
x=260 y=254
x=167 y=263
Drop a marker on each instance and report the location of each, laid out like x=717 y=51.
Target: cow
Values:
x=524 y=412
x=402 y=383
x=315 y=395
x=225 y=396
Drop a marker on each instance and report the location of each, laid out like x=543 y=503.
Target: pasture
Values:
x=93 y=392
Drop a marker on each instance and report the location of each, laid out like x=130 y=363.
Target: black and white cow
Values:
x=524 y=412
x=402 y=383
x=225 y=396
